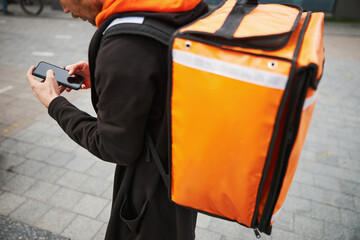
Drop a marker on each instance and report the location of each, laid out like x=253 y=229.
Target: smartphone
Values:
x=61 y=75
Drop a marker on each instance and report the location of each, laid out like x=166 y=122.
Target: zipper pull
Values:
x=257 y=233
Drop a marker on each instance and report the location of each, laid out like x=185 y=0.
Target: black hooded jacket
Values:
x=128 y=91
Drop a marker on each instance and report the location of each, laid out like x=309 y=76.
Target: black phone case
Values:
x=35 y=73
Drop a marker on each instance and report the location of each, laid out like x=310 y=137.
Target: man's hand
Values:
x=81 y=68
x=47 y=90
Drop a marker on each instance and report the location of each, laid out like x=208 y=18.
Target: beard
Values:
x=91 y=12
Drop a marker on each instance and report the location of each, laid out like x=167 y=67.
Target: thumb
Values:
x=50 y=77
x=50 y=74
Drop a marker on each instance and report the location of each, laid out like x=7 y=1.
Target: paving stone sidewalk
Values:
x=49 y=184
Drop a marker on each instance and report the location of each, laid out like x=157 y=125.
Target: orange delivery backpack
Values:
x=241 y=94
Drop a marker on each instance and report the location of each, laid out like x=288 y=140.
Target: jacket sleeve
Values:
x=126 y=69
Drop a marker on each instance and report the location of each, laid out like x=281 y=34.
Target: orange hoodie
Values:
x=167 y=6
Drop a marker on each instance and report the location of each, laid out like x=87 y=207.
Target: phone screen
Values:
x=61 y=75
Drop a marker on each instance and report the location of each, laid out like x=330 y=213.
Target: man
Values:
x=128 y=79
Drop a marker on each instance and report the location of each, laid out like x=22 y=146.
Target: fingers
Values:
x=50 y=74
x=75 y=67
x=31 y=79
x=71 y=68
x=62 y=88
x=50 y=78
x=44 y=91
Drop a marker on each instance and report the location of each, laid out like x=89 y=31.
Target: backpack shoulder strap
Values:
x=159 y=31
x=137 y=25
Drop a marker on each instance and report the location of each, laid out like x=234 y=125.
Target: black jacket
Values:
x=128 y=91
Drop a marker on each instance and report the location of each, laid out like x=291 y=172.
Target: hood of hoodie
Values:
x=111 y=7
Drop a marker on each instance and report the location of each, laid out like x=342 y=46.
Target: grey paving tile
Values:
x=19 y=184
x=325 y=212
x=338 y=232
x=9 y=161
x=314 y=167
x=67 y=145
x=65 y=198
x=10 y=202
x=5 y=100
x=101 y=170
x=344 y=174
x=72 y=179
x=57 y=132
x=15 y=146
x=203 y=221
x=204 y=234
x=225 y=228
x=59 y=158
x=349 y=145
x=285 y=221
x=322 y=195
x=5 y=177
x=306 y=156
x=39 y=153
x=90 y=206
x=355 y=155
x=79 y=164
x=350 y=218
x=10 y=117
x=104 y=215
x=55 y=220
x=340 y=152
x=11 y=229
x=245 y=233
x=39 y=127
x=108 y=193
x=353 y=164
x=82 y=228
x=101 y=233
x=339 y=200
x=309 y=227
x=307 y=192
x=83 y=153
x=41 y=191
x=111 y=176
x=30 y=211
x=327 y=182
x=29 y=168
x=3 y=134
x=21 y=103
x=50 y=173
x=304 y=177
x=357 y=204
x=280 y=234
x=28 y=136
x=94 y=186
x=48 y=141
x=357 y=234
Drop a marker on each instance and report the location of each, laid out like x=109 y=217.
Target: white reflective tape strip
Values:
x=230 y=70
x=63 y=37
x=43 y=54
x=138 y=20
x=5 y=89
x=275 y=215
x=309 y=101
